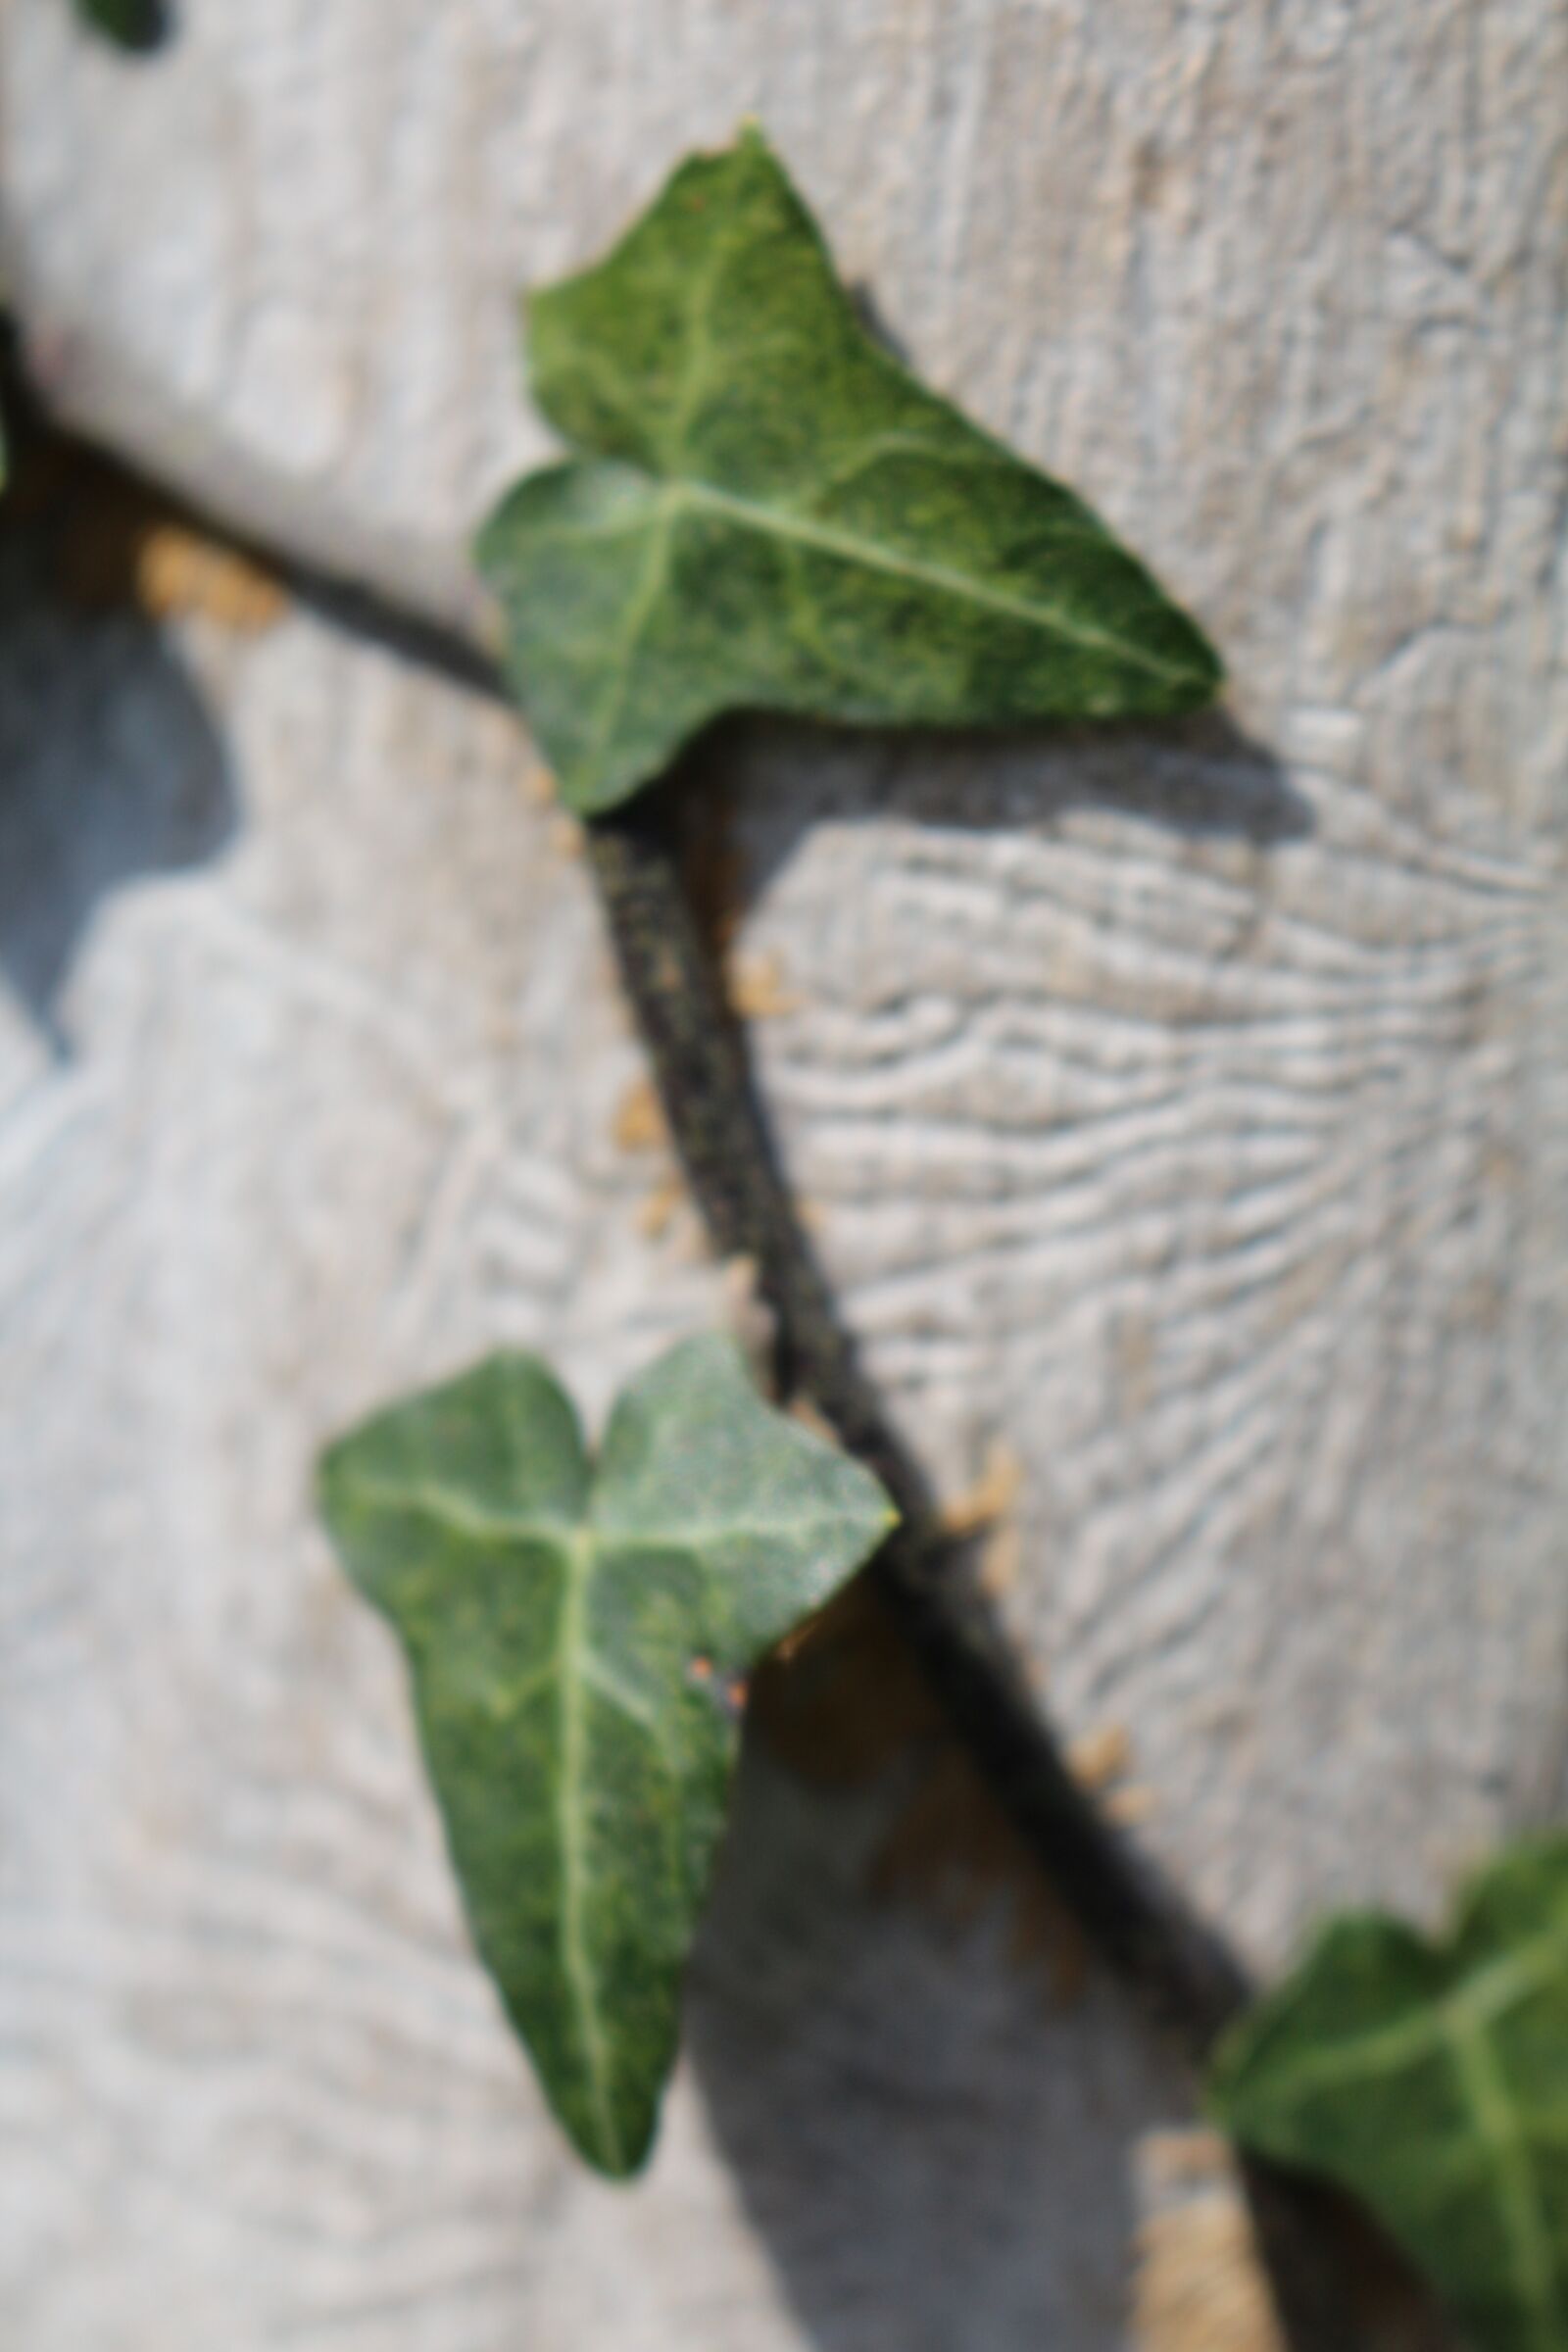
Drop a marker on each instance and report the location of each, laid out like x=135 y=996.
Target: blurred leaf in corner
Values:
x=132 y=24
x=1431 y=2079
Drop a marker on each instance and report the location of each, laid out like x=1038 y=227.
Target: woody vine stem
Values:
x=1184 y=1975
x=1181 y=1973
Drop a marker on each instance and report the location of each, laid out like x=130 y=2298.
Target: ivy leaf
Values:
x=769 y=512
x=576 y=1633
x=133 y=23
x=1432 y=2079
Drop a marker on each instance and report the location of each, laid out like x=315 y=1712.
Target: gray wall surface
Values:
x=1187 y=1110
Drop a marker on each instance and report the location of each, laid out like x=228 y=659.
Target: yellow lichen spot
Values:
x=1101 y=1756
x=1199 y=2285
x=639 y=1124
x=656 y=1213
x=1130 y=1807
x=1001 y=1559
x=755 y=985
x=178 y=570
x=991 y=1497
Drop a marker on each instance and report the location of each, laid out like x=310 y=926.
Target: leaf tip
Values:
x=620 y=2161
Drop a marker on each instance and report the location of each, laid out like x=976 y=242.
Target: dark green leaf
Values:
x=769 y=512
x=133 y=23
x=1432 y=2080
x=574 y=1634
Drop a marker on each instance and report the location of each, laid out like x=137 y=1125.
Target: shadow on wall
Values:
x=928 y=2103
x=932 y=2121
x=932 y=2105
x=110 y=768
x=1198 y=778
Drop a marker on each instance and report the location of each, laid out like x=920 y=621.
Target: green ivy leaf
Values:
x=133 y=23
x=574 y=1633
x=1432 y=2079
x=770 y=512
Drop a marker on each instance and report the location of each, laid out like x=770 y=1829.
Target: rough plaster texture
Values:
x=1193 y=1112
x=299 y=1125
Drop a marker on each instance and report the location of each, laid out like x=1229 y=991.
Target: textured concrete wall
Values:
x=1189 y=1112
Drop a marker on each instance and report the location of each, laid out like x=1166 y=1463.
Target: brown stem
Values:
x=702 y=1073
x=1185 y=1975
x=1186 y=1978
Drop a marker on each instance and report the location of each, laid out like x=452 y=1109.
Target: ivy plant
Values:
x=763 y=509
x=1431 y=2081
x=766 y=510
x=577 y=1631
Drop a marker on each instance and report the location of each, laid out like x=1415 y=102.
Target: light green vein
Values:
x=570 y=1798
x=1517 y=2192
x=1384 y=2049
x=461 y=1512
x=800 y=1534
x=639 y=612
x=785 y=523
x=670 y=496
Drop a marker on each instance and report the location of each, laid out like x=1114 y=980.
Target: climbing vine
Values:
x=761 y=509
x=764 y=509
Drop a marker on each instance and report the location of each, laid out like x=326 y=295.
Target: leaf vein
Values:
x=1517 y=2185
x=848 y=548
x=575 y=1960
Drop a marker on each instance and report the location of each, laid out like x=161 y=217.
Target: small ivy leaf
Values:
x=133 y=23
x=769 y=512
x=1432 y=2079
x=573 y=1632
